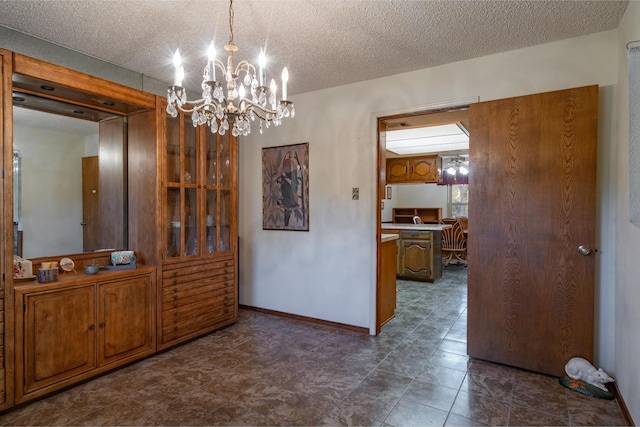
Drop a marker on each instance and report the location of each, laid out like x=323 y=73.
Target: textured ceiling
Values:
x=324 y=43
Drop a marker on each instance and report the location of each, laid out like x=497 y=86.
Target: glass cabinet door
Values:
x=173 y=210
x=174 y=225
x=199 y=194
x=181 y=173
x=172 y=172
x=218 y=159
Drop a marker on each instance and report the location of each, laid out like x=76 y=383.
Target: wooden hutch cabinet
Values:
x=199 y=248
x=183 y=219
x=180 y=197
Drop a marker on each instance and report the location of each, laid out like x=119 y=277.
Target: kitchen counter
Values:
x=419 y=254
x=388 y=237
x=414 y=227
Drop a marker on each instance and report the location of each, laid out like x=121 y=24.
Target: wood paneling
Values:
x=143 y=185
x=6 y=232
x=113 y=183
x=81 y=88
x=531 y=204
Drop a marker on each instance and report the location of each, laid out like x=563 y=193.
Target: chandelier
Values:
x=232 y=103
x=457 y=165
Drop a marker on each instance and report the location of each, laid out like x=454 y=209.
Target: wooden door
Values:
x=124 y=313
x=59 y=337
x=90 y=210
x=532 y=204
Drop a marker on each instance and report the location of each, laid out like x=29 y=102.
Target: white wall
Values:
x=51 y=195
x=329 y=272
x=627 y=268
x=415 y=196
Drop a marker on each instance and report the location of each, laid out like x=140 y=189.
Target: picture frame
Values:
x=285 y=187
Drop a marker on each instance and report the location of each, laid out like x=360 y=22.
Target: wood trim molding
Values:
x=41 y=70
x=306 y=319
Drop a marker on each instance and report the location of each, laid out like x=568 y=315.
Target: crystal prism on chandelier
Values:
x=231 y=103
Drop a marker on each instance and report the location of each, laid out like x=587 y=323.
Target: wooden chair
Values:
x=454 y=244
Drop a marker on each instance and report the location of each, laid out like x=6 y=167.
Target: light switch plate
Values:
x=355 y=193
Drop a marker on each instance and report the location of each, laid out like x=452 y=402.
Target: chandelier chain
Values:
x=231 y=22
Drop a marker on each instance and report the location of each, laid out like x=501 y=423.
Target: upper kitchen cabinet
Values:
x=418 y=169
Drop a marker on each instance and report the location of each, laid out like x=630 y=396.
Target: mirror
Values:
x=51 y=215
x=58 y=156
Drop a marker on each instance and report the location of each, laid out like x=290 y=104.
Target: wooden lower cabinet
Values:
x=125 y=319
x=420 y=257
x=80 y=326
x=197 y=297
x=386 y=289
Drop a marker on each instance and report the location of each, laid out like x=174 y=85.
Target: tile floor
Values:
x=266 y=370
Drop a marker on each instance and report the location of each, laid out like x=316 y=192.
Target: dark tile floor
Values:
x=266 y=370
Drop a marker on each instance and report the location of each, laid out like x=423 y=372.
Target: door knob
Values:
x=584 y=250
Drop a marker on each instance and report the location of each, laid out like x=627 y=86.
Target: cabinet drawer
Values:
x=196 y=318
x=197 y=297
x=207 y=294
x=415 y=235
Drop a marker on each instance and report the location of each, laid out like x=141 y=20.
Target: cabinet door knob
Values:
x=102 y=324
x=92 y=327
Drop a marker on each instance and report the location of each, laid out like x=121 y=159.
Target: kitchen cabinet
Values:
x=418 y=169
x=80 y=326
x=419 y=254
x=386 y=289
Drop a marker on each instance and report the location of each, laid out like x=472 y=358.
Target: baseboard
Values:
x=623 y=406
x=306 y=319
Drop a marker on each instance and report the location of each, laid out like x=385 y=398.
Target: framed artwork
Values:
x=285 y=187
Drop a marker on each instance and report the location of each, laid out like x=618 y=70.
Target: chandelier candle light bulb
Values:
x=285 y=79
x=238 y=102
x=262 y=62
x=211 y=53
x=273 y=88
x=179 y=69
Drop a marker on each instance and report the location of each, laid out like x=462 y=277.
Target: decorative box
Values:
x=122 y=257
x=22 y=268
x=47 y=275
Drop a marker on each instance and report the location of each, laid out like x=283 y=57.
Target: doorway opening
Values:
x=451 y=200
